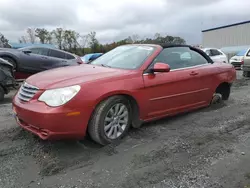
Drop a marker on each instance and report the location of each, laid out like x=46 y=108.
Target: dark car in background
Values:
x=30 y=60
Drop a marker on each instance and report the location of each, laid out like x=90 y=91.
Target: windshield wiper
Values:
x=105 y=65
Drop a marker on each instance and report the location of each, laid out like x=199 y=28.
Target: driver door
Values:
x=178 y=90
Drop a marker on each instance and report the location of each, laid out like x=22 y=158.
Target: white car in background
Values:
x=238 y=60
x=216 y=55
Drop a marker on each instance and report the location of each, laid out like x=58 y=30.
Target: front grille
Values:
x=27 y=92
x=236 y=64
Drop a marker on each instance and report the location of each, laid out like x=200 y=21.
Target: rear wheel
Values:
x=12 y=61
x=222 y=92
x=1 y=94
x=111 y=120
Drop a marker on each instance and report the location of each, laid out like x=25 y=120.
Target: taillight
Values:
x=79 y=60
x=242 y=62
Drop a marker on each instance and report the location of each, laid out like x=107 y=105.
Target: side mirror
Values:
x=161 y=67
x=27 y=51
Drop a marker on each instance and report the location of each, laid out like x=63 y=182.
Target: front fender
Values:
x=9 y=54
x=116 y=92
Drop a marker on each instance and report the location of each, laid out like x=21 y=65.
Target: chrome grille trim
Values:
x=27 y=92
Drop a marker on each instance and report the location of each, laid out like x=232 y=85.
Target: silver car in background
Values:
x=246 y=64
x=238 y=60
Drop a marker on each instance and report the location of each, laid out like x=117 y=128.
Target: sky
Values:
x=115 y=20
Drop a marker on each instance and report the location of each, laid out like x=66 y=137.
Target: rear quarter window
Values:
x=215 y=52
x=69 y=56
x=57 y=54
x=180 y=57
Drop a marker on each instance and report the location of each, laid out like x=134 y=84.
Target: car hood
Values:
x=237 y=58
x=72 y=75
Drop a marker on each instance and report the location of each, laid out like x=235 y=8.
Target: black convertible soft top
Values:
x=191 y=47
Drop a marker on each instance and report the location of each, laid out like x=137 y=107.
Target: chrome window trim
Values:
x=171 y=70
x=190 y=67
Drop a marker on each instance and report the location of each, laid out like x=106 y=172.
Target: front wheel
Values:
x=111 y=120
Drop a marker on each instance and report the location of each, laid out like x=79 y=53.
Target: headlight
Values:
x=60 y=96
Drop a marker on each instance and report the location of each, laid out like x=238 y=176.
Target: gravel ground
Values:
x=205 y=148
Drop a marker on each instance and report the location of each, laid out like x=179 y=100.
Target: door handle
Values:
x=44 y=57
x=193 y=73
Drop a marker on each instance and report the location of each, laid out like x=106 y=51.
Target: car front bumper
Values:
x=236 y=64
x=49 y=123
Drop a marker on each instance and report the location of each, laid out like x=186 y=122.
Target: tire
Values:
x=12 y=61
x=98 y=128
x=1 y=94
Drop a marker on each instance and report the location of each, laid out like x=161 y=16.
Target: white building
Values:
x=237 y=34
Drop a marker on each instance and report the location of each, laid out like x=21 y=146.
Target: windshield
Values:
x=125 y=57
x=86 y=57
x=241 y=53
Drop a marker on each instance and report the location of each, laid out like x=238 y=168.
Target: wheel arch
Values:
x=224 y=89
x=136 y=121
x=10 y=57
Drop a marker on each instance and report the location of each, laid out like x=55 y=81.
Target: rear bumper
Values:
x=49 y=123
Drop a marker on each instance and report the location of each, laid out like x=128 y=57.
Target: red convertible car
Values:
x=125 y=87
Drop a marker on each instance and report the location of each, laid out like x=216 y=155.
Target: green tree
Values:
x=58 y=34
x=31 y=35
x=93 y=42
x=4 y=43
x=158 y=39
x=23 y=39
x=43 y=35
x=179 y=40
x=70 y=41
x=157 y=35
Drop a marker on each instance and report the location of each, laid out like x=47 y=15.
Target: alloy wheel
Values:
x=116 y=121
